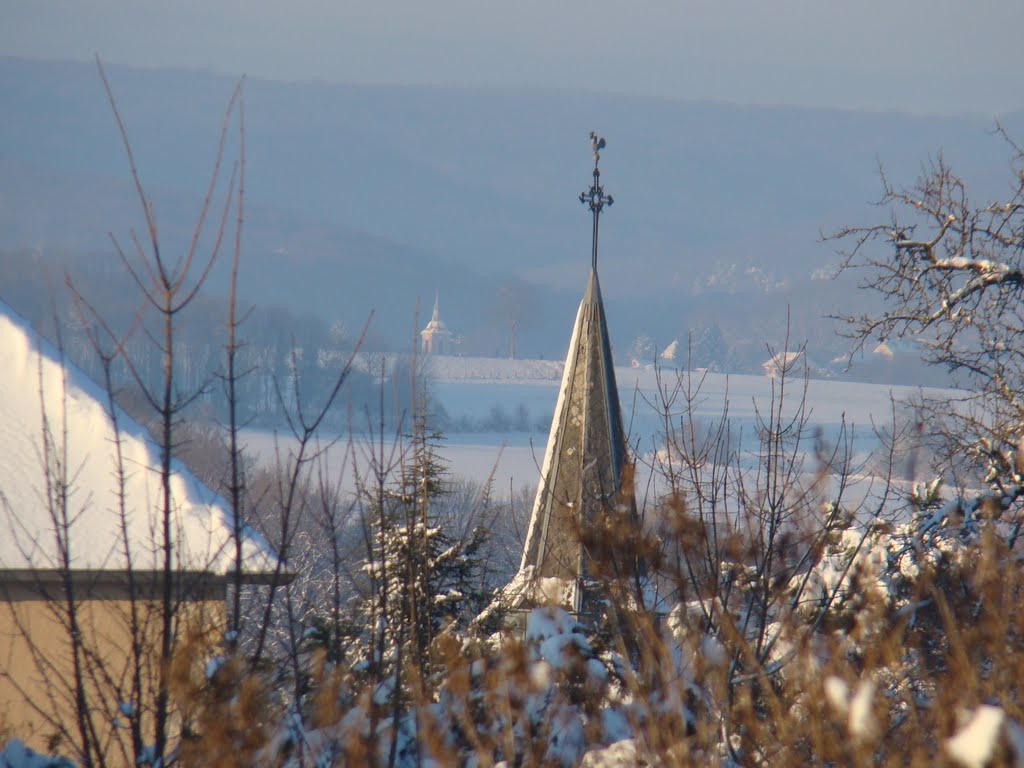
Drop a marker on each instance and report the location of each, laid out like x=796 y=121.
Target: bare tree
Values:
x=949 y=271
x=516 y=306
x=121 y=703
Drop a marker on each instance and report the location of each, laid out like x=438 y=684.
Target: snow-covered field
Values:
x=473 y=388
x=514 y=459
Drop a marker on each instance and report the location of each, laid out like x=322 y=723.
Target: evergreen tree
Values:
x=423 y=563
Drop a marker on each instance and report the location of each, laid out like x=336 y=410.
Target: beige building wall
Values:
x=37 y=670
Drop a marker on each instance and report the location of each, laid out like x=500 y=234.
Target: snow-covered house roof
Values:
x=54 y=421
x=779 y=362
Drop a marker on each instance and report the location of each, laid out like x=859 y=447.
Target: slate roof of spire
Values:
x=582 y=471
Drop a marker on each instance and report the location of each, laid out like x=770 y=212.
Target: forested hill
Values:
x=371 y=197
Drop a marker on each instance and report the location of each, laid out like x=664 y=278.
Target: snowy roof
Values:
x=780 y=360
x=36 y=386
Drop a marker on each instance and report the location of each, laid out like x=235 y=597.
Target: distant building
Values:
x=436 y=339
x=780 y=363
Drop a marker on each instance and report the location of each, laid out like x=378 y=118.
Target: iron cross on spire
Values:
x=595 y=197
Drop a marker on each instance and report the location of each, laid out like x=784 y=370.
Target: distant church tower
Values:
x=581 y=480
x=435 y=339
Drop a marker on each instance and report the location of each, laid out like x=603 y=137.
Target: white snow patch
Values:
x=540 y=675
x=974 y=744
x=597 y=671
x=837 y=692
x=618 y=755
x=553 y=590
x=856 y=708
x=545 y=623
x=862 y=719
x=712 y=651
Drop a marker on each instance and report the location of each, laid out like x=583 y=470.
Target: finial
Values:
x=595 y=197
x=597 y=144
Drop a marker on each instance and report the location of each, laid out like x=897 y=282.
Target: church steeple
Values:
x=435 y=338
x=581 y=477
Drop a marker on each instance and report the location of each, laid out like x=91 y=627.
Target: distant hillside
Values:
x=369 y=197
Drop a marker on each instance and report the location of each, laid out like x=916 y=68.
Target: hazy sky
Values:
x=915 y=55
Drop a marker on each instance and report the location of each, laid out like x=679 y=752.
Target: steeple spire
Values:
x=595 y=197
x=436 y=339
x=582 y=475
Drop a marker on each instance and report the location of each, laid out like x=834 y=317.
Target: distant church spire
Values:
x=582 y=474
x=435 y=338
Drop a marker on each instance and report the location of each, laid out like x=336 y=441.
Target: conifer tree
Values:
x=423 y=563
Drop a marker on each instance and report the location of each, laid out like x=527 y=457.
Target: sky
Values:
x=921 y=56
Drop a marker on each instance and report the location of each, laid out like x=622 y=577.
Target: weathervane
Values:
x=595 y=197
